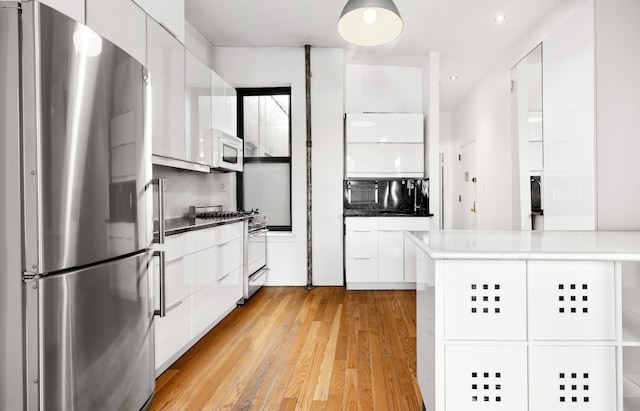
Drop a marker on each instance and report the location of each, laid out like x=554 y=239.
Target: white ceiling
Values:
x=463 y=31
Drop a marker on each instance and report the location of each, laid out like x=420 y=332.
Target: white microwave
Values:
x=227 y=151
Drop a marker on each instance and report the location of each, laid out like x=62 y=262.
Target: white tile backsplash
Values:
x=186 y=188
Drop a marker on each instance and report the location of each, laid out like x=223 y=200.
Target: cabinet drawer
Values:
x=361 y=223
x=204 y=267
x=485 y=300
x=176 y=246
x=362 y=270
x=229 y=257
x=177 y=280
x=207 y=238
x=403 y=223
x=486 y=378
x=361 y=244
x=232 y=231
x=206 y=308
x=571 y=300
x=173 y=331
x=577 y=378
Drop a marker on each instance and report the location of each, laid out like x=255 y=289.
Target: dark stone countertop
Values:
x=379 y=213
x=181 y=225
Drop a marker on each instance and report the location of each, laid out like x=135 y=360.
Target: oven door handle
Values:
x=261 y=231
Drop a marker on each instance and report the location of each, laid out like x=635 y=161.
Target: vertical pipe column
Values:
x=307 y=63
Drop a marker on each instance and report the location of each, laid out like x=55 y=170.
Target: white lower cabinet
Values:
x=203 y=279
x=520 y=335
x=375 y=252
x=172 y=332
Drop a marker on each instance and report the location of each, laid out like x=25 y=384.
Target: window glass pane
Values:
x=266 y=187
x=266 y=126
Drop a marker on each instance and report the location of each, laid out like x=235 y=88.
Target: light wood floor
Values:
x=290 y=348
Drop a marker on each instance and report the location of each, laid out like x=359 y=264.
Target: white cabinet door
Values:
x=572 y=378
x=391 y=257
x=486 y=378
x=229 y=257
x=361 y=244
x=384 y=128
x=122 y=22
x=71 y=8
x=571 y=300
x=172 y=332
x=166 y=67
x=385 y=160
x=361 y=269
x=197 y=107
x=177 y=280
x=169 y=13
x=485 y=300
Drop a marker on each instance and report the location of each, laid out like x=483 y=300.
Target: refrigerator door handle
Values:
x=162 y=312
x=161 y=183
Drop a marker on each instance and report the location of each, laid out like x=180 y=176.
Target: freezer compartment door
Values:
x=96 y=337
x=87 y=150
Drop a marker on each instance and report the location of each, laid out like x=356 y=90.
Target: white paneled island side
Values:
x=527 y=320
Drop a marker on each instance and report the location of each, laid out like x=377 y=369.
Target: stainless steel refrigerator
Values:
x=76 y=106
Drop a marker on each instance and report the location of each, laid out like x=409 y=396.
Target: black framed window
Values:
x=264 y=123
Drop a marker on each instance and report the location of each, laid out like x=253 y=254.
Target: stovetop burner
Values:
x=214 y=212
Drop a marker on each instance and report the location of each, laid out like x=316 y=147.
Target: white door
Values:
x=467 y=187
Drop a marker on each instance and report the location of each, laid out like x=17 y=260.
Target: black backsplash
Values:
x=393 y=196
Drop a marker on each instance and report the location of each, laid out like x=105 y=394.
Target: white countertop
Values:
x=529 y=245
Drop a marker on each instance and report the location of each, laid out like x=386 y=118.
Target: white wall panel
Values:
x=382 y=89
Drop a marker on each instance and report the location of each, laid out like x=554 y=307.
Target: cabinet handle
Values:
x=362 y=258
x=174 y=305
x=160 y=182
x=362 y=231
x=162 y=312
x=164 y=26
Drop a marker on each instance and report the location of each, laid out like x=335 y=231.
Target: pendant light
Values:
x=370 y=22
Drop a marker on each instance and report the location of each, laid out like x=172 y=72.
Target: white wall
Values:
x=188 y=188
x=285 y=66
x=618 y=113
x=484 y=115
x=327 y=108
x=448 y=151
x=382 y=89
x=430 y=88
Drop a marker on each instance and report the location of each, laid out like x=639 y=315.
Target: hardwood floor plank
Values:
x=290 y=348
x=350 y=396
x=336 y=388
x=324 y=379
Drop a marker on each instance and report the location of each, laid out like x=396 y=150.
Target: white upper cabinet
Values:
x=121 y=22
x=384 y=145
x=169 y=13
x=166 y=64
x=198 y=108
x=218 y=102
x=231 y=111
x=384 y=128
x=71 y=8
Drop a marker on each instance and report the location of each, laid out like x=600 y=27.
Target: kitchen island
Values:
x=527 y=320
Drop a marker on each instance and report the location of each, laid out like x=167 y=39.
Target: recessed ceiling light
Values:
x=499 y=18
x=453 y=77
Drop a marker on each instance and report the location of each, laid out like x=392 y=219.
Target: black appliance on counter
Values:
x=404 y=196
x=536 y=195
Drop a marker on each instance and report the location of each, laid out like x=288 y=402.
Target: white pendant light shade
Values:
x=370 y=22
